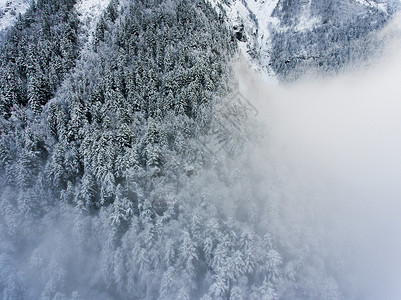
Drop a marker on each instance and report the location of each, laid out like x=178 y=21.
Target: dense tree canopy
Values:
x=106 y=181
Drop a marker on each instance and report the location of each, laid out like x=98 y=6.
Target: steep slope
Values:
x=288 y=38
x=253 y=24
x=341 y=36
x=127 y=171
x=109 y=185
x=36 y=55
x=89 y=13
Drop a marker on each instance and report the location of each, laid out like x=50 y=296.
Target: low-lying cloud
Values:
x=341 y=138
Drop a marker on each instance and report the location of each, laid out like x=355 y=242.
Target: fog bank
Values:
x=340 y=138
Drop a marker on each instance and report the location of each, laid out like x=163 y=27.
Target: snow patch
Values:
x=256 y=18
x=89 y=12
x=9 y=11
x=257 y=24
x=306 y=22
x=371 y=3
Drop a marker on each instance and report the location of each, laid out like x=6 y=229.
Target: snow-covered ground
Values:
x=89 y=12
x=306 y=21
x=256 y=18
x=375 y=4
x=9 y=11
x=256 y=21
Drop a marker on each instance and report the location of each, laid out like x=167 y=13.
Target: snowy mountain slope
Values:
x=271 y=33
x=89 y=12
x=342 y=37
x=279 y=36
x=253 y=23
x=9 y=11
x=128 y=169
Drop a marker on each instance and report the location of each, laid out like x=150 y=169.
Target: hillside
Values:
x=132 y=166
x=286 y=39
